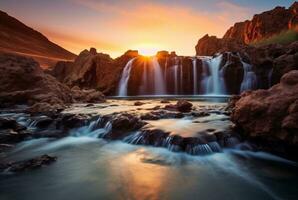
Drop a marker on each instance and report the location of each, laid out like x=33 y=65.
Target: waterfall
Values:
x=249 y=77
x=181 y=76
x=195 y=78
x=176 y=76
x=143 y=87
x=216 y=83
x=124 y=78
x=159 y=84
x=212 y=77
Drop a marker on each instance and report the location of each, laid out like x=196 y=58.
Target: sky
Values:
x=114 y=26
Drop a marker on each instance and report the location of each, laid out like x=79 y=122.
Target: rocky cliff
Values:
x=93 y=70
x=270 y=117
x=260 y=27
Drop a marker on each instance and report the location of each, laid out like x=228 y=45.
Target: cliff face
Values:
x=92 y=70
x=264 y=25
x=260 y=27
x=16 y=37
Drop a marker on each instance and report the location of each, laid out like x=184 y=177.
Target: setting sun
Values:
x=147 y=49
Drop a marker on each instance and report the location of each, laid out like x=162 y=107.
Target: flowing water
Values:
x=89 y=167
x=210 y=81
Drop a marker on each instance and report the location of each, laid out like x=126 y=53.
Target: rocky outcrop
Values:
x=262 y=26
x=22 y=81
x=93 y=70
x=270 y=117
x=210 y=45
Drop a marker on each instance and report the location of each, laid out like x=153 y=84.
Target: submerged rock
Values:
x=31 y=164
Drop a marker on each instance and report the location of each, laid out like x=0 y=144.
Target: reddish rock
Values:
x=22 y=81
x=271 y=115
x=139 y=103
x=184 y=106
x=92 y=70
x=210 y=45
x=241 y=34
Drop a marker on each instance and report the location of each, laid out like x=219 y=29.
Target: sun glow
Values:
x=148 y=49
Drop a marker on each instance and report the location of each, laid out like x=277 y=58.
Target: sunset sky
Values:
x=114 y=26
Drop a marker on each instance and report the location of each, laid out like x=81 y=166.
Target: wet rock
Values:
x=139 y=103
x=10 y=136
x=89 y=105
x=164 y=101
x=69 y=121
x=26 y=165
x=161 y=114
x=121 y=124
x=200 y=113
x=184 y=106
x=9 y=123
x=5 y=147
x=271 y=115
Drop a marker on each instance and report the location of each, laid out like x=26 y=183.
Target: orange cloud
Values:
x=134 y=24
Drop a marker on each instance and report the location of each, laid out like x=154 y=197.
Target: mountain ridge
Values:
x=17 y=37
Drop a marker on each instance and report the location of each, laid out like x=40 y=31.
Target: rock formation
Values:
x=261 y=26
x=93 y=70
x=22 y=81
x=270 y=117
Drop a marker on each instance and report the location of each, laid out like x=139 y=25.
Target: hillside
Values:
x=16 y=37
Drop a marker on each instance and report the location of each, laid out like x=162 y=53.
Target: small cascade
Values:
x=136 y=138
x=249 y=77
x=203 y=149
x=124 y=79
x=94 y=129
x=168 y=143
x=159 y=84
x=195 y=76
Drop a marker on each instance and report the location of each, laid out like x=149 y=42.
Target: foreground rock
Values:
x=22 y=81
x=181 y=106
x=26 y=165
x=270 y=117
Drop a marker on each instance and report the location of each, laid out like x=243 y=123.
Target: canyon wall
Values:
x=260 y=27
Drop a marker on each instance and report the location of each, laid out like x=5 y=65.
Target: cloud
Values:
x=122 y=25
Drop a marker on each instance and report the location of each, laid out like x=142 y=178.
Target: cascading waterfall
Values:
x=195 y=77
x=159 y=84
x=249 y=77
x=124 y=78
x=170 y=76
x=212 y=78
